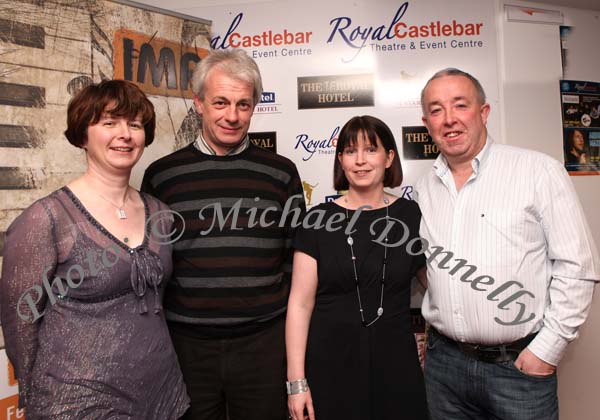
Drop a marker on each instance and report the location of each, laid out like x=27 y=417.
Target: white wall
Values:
x=530 y=68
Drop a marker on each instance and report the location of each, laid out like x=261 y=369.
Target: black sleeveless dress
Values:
x=357 y=372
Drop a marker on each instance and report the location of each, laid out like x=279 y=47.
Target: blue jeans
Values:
x=461 y=387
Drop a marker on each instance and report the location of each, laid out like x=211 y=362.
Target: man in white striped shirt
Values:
x=511 y=264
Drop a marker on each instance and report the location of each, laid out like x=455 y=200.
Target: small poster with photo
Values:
x=581 y=126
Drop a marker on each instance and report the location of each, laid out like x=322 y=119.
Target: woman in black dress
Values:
x=351 y=353
x=83 y=274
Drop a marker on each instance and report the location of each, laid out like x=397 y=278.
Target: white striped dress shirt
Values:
x=518 y=221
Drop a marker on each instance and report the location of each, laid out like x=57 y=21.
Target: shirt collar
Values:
x=482 y=156
x=204 y=147
x=441 y=167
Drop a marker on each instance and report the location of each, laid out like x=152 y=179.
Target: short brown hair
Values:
x=372 y=128
x=124 y=99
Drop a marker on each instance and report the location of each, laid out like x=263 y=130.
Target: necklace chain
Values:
x=350 y=242
x=120 y=210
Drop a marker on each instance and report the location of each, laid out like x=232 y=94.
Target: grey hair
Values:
x=235 y=63
x=451 y=71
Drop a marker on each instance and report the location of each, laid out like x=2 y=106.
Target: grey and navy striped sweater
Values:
x=228 y=280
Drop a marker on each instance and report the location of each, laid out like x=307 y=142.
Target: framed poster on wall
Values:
x=580 y=103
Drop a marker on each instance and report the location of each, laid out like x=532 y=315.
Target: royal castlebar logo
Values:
x=403 y=33
x=270 y=43
x=309 y=146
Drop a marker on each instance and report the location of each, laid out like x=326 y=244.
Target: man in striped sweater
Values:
x=226 y=300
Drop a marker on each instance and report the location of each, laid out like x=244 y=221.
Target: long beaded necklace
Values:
x=350 y=242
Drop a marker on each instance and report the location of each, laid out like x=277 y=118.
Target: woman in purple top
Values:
x=83 y=275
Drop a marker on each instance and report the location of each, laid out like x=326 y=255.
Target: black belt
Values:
x=490 y=354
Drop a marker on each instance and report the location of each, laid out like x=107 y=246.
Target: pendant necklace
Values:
x=350 y=242
x=120 y=210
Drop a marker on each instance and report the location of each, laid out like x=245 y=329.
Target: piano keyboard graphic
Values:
x=47 y=52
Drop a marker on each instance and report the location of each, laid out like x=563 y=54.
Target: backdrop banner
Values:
x=325 y=62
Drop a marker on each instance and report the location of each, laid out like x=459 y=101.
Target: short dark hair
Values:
x=124 y=99
x=451 y=71
x=372 y=128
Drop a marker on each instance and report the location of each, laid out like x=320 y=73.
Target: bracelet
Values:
x=297 y=387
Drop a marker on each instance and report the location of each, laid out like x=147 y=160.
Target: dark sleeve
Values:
x=295 y=193
x=418 y=261
x=306 y=241
x=147 y=186
x=30 y=255
x=295 y=204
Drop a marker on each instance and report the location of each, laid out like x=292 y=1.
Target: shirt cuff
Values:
x=548 y=346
